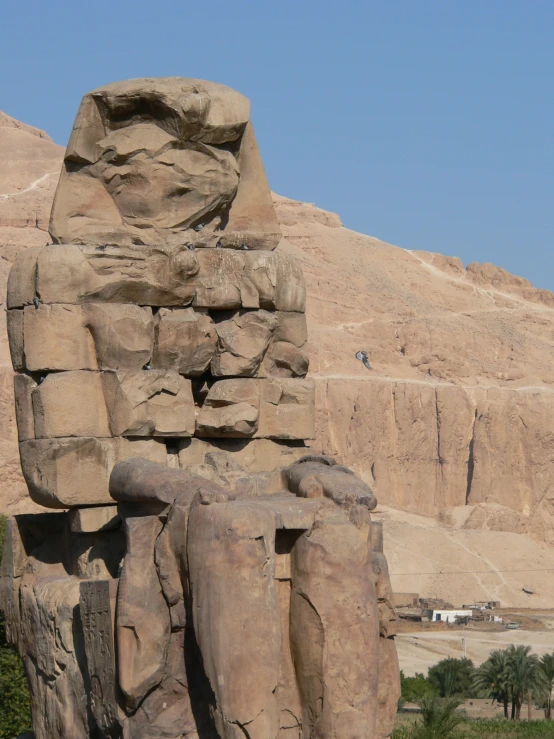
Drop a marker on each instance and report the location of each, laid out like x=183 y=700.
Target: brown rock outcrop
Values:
x=456 y=406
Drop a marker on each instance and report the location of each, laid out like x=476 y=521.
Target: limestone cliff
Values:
x=457 y=408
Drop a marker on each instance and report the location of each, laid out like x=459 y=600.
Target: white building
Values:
x=449 y=616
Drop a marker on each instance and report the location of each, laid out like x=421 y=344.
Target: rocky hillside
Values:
x=457 y=408
x=463 y=565
x=453 y=420
x=29 y=173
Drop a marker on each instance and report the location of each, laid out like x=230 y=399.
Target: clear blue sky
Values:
x=427 y=123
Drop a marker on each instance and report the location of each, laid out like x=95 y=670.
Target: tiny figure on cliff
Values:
x=362 y=356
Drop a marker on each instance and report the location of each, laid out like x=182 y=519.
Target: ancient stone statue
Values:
x=207 y=577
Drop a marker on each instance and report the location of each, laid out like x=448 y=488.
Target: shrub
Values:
x=452 y=677
x=15 y=704
x=414 y=689
x=439 y=720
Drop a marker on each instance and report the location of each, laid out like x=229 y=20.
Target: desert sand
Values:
x=419 y=651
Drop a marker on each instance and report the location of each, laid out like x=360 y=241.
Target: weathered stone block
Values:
x=228 y=392
x=90 y=520
x=71 y=337
x=55 y=339
x=235 y=420
x=277 y=277
x=253 y=455
x=231 y=409
x=70 y=404
x=287 y=409
x=145 y=275
x=64 y=473
x=23 y=387
x=290 y=288
x=149 y=403
x=287 y=355
x=284 y=359
x=250 y=279
x=16 y=339
x=219 y=280
x=123 y=334
x=185 y=341
x=62 y=274
x=291 y=327
x=22 y=278
x=242 y=343
x=272 y=408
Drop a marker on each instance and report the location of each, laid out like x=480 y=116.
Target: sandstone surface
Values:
x=456 y=410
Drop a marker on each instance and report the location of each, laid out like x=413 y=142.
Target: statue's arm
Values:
x=138 y=480
x=317 y=476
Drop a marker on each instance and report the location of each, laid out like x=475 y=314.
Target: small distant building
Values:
x=405 y=600
x=448 y=616
x=483 y=605
x=437 y=604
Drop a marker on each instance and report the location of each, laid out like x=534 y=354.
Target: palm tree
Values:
x=492 y=679
x=547 y=668
x=439 y=718
x=526 y=677
x=452 y=676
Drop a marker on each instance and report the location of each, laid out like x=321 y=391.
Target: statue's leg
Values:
x=335 y=630
x=231 y=550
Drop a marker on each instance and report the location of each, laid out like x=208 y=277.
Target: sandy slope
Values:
x=464 y=566
x=419 y=651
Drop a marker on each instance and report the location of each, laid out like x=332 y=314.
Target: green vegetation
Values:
x=15 y=706
x=453 y=677
x=500 y=729
x=512 y=676
x=415 y=688
x=438 y=719
x=547 y=668
x=449 y=678
x=482 y=729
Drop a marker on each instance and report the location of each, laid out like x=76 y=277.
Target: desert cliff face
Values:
x=455 y=418
x=457 y=408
